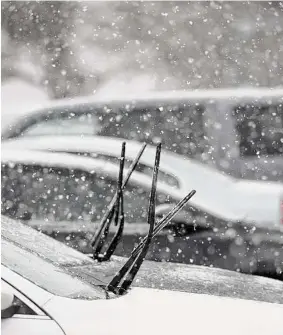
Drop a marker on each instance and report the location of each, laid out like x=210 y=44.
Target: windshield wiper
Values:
x=115 y=210
x=133 y=264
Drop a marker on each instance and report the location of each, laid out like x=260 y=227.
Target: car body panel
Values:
x=163 y=312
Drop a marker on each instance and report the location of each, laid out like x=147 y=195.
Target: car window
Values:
x=195 y=219
x=179 y=127
x=57 y=194
x=23 y=309
x=73 y=124
x=260 y=129
x=48 y=275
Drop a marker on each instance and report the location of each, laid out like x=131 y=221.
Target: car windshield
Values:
x=46 y=262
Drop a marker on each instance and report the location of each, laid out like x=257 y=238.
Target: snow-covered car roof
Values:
x=164 y=276
x=235 y=95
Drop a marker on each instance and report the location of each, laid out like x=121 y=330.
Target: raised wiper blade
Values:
x=133 y=264
x=164 y=221
x=114 y=208
x=119 y=206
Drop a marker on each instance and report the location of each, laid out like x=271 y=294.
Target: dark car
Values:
x=65 y=196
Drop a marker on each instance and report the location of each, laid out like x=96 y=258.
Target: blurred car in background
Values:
x=240 y=131
x=64 y=195
x=54 y=289
x=228 y=198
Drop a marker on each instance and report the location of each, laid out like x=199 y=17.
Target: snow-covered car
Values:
x=64 y=195
x=238 y=130
x=258 y=202
x=49 y=288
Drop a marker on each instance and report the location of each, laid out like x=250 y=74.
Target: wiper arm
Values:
x=134 y=263
x=118 y=213
x=113 y=285
x=115 y=208
x=164 y=221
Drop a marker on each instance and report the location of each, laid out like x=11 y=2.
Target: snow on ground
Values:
x=17 y=98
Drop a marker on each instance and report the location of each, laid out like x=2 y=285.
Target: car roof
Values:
x=236 y=94
x=170 y=276
x=151 y=98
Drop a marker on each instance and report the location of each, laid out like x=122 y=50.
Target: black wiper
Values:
x=115 y=210
x=133 y=264
x=164 y=221
x=137 y=257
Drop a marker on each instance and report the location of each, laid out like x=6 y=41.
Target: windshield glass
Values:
x=52 y=277
x=45 y=261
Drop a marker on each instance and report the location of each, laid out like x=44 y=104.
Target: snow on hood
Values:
x=150 y=311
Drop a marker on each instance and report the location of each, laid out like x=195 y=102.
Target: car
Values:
x=57 y=290
x=258 y=202
x=64 y=195
x=237 y=130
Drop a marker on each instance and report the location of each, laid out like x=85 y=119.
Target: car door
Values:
x=29 y=319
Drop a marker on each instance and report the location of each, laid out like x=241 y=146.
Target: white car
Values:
x=239 y=131
x=256 y=202
x=57 y=290
x=64 y=195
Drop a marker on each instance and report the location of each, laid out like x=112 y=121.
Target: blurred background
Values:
x=74 y=48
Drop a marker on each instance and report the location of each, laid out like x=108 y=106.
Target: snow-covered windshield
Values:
x=44 y=261
x=50 y=276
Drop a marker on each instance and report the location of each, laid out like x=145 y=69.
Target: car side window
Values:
x=136 y=201
x=22 y=307
x=84 y=124
x=180 y=127
x=58 y=194
x=193 y=220
x=54 y=194
x=260 y=129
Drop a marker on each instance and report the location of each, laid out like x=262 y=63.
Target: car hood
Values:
x=188 y=278
x=151 y=311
